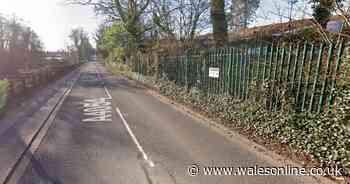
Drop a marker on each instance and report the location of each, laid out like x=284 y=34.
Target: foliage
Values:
x=326 y=137
x=118 y=68
x=114 y=43
x=323 y=9
x=321 y=14
x=20 y=46
x=3 y=94
x=131 y=13
x=81 y=44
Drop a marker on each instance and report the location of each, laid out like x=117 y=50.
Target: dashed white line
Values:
x=139 y=147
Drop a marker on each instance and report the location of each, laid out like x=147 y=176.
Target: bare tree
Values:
x=81 y=44
x=343 y=9
x=181 y=19
x=20 y=46
x=242 y=12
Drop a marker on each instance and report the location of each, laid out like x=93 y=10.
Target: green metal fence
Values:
x=305 y=72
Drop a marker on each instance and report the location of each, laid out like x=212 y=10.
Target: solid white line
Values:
x=107 y=92
x=139 y=147
x=100 y=78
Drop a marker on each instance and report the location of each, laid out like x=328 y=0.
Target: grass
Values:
x=3 y=94
x=119 y=69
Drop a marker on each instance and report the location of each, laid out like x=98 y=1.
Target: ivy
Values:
x=325 y=137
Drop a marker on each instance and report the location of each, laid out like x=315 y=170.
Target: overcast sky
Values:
x=53 y=20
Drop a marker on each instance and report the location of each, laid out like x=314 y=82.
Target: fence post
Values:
x=186 y=70
x=289 y=63
x=336 y=70
x=204 y=72
x=297 y=101
x=308 y=77
x=318 y=67
x=280 y=76
x=236 y=60
x=329 y=59
x=295 y=65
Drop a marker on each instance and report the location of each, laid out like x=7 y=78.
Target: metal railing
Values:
x=305 y=72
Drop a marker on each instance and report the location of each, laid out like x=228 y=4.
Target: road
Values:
x=108 y=130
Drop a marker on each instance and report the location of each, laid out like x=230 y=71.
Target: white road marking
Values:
x=107 y=92
x=139 y=147
x=100 y=110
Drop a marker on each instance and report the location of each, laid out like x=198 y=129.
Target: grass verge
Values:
x=3 y=94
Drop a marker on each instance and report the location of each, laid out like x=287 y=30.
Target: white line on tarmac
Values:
x=107 y=92
x=139 y=147
x=100 y=78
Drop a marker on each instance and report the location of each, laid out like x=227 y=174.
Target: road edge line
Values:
x=107 y=92
x=138 y=145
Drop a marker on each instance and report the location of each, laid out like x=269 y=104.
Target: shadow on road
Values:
x=12 y=147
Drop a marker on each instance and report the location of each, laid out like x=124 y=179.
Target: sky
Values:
x=51 y=19
x=271 y=11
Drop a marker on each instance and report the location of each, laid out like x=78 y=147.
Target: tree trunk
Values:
x=218 y=19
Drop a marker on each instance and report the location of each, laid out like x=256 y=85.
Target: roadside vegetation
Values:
x=20 y=46
x=20 y=50
x=25 y=64
x=324 y=137
x=80 y=48
x=3 y=94
x=151 y=29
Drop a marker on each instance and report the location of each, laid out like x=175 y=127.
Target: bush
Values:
x=3 y=94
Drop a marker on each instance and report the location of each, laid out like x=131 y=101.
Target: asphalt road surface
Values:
x=109 y=131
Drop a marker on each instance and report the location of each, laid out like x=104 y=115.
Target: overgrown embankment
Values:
x=325 y=137
x=320 y=138
x=3 y=94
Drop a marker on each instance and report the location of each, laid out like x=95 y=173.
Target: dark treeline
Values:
x=80 y=47
x=20 y=46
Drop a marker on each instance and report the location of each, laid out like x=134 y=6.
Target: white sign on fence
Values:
x=214 y=72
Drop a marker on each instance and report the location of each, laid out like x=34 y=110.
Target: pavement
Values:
x=96 y=128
